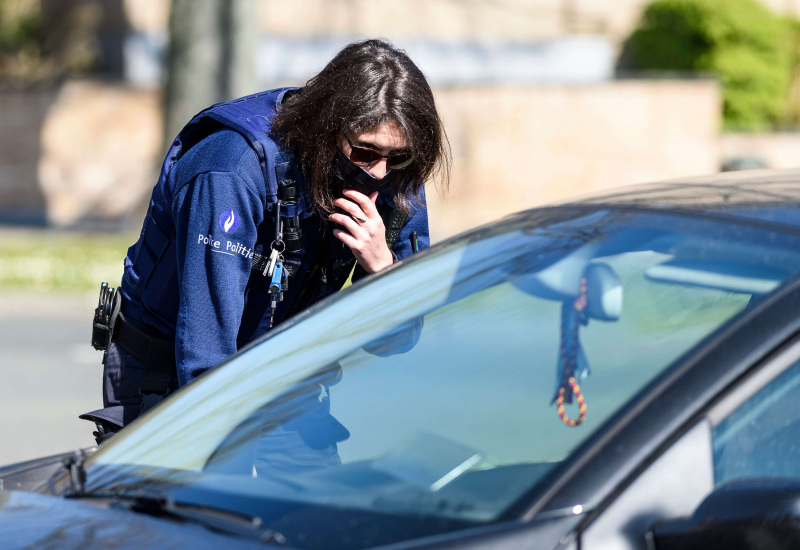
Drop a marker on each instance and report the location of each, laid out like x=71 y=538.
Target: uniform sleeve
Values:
x=417 y=221
x=216 y=218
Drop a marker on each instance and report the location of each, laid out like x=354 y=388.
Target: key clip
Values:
x=278 y=246
x=275 y=285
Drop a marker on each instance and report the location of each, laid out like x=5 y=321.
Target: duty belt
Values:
x=157 y=354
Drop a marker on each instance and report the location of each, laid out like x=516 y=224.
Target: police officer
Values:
x=310 y=176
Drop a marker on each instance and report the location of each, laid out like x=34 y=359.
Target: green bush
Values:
x=740 y=41
x=19 y=27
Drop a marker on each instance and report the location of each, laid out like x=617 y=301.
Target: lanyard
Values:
x=570 y=344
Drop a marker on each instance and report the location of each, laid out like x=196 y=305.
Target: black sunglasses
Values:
x=362 y=156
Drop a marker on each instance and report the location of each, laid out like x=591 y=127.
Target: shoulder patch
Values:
x=229 y=221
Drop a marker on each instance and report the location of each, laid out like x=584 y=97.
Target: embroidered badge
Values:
x=229 y=221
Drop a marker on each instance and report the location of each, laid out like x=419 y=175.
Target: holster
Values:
x=105 y=317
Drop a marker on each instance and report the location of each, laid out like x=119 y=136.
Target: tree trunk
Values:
x=211 y=57
x=240 y=43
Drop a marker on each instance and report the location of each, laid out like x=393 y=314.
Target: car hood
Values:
x=30 y=520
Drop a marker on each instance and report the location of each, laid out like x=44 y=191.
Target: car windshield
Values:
x=430 y=398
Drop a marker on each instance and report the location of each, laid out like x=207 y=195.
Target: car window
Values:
x=428 y=396
x=761 y=438
x=483 y=372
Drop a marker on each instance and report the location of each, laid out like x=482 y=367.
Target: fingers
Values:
x=366 y=239
x=366 y=203
x=351 y=208
x=346 y=238
x=350 y=224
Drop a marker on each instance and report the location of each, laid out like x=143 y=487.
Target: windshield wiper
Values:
x=76 y=474
x=217 y=519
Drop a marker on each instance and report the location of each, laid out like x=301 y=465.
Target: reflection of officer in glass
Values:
x=340 y=163
x=306 y=435
x=291 y=434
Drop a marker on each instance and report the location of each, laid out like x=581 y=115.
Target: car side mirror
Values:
x=740 y=515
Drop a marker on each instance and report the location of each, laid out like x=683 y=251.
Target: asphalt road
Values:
x=49 y=374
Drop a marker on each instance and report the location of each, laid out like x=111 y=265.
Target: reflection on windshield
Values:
x=292 y=434
x=486 y=364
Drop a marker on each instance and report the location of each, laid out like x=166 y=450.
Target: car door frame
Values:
x=684 y=473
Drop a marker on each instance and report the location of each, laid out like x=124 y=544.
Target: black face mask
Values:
x=358 y=179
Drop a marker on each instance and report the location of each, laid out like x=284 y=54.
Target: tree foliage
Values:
x=740 y=41
x=45 y=40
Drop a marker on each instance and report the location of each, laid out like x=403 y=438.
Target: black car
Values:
x=616 y=372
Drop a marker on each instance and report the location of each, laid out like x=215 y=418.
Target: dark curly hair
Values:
x=365 y=85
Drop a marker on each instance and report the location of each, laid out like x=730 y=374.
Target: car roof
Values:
x=771 y=196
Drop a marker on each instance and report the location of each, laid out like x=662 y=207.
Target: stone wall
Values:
x=519 y=147
x=447 y=20
x=82 y=155
x=22 y=115
x=778 y=150
x=89 y=153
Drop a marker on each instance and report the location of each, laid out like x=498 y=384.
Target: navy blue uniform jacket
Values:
x=189 y=276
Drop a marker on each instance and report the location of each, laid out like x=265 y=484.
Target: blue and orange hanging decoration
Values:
x=572 y=363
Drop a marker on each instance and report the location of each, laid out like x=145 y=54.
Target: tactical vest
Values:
x=251 y=117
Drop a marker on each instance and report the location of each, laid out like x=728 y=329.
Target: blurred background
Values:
x=542 y=100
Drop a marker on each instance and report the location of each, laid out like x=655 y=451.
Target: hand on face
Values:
x=367 y=238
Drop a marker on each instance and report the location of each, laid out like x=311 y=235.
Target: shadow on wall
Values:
x=23 y=114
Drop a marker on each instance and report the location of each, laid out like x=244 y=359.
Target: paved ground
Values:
x=49 y=373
